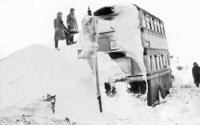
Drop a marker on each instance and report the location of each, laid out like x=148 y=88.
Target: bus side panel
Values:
x=153 y=89
x=165 y=83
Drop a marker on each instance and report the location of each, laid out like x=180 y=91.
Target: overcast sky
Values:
x=27 y=22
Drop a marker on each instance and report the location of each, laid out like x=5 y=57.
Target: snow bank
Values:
x=31 y=73
x=32 y=67
x=35 y=71
x=181 y=106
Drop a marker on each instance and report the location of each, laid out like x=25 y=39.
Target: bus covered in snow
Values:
x=136 y=40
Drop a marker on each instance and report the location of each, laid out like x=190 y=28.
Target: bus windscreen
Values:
x=124 y=64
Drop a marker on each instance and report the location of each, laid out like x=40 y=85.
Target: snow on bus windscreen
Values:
x=124 y=64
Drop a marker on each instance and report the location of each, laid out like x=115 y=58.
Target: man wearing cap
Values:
x=72 y=24
x=61 y=32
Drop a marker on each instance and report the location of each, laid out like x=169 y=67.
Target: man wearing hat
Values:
x=72 y=24
x=61 y=32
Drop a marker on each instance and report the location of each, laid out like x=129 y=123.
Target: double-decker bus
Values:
x=124 y=29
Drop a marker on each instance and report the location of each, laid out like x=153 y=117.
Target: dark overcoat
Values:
x=61 y=32
x=72 y=23
x=196 y=74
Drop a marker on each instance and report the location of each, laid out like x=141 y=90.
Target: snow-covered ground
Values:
x=27 y=76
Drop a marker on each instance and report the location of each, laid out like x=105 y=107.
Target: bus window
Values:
x=162 y=28
x=166 y=62
x=124 y=64
x=161 y=63
x=156 y=66
x=153 y=63
x=156 y=62
x=156 y=25
x=143 y=21
x=148 y=22
x=152 y=25
x=162 y=60
x=159 y=28
x=136 y=68
x=147 y=62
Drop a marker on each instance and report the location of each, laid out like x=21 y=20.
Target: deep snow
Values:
x=37 y=70
x=31 y=73
x=76 y=100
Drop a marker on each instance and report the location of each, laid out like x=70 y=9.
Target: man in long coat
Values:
x=61 y=32
x=72 y=24
x=196 y=74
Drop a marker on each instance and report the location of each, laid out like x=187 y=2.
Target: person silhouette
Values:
x=196 y=74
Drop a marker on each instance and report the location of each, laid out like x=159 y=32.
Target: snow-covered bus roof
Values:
x=146 y=12
x=108 y=12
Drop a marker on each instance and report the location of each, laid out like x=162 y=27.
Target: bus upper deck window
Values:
x=156 y=25
x=143 y=21
x=148 y=22
x=152 y=25
x=162 y=28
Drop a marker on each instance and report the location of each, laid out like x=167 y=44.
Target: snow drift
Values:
x=28 y=75
x=35 y=71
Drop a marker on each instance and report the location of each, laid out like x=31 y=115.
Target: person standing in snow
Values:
x=61 y=32
x=72 y=25
x=89 y=12
x=196 y=74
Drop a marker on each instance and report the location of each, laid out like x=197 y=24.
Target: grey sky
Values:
x=26 y=22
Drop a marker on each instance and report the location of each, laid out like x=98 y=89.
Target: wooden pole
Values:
x=95 y=67
x=97 y=84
